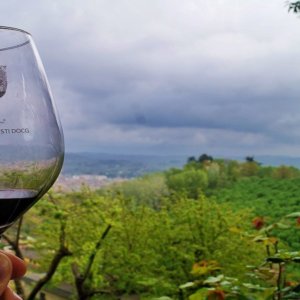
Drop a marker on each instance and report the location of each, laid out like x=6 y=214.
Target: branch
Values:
x=14 y=246
x=279 y=281
x=19 y=233
x=62 y=252
x=80 y=278
x=294 y=6
x=96 y=249
x=99 y=292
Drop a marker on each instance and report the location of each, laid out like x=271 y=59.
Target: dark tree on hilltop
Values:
x=249 y=159
x=204 y=157
x=191 y=159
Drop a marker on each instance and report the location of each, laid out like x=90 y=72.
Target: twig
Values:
x=14 y=246
x=80 y=278
x=279 y=280
x=62 y=252
x=93 y=254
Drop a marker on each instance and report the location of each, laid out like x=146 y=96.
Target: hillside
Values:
x=128 y=166
x=113 y=165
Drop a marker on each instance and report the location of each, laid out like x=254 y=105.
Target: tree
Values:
x=62 y=226
x=191 y=159
x=204 y=158
x=81 y=277
x=282 y=172
x=189 y=182
x=294 y=6
x=148 y=189
x=250 y=167
x=119 y=245
x=59 y=254
x=249 y=159
x=149 y=252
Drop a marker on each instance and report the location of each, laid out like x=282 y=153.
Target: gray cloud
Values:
x=168 y=75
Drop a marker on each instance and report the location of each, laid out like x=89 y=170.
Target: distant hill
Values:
x=128 y=166
x=113 y=165
x=269 y=160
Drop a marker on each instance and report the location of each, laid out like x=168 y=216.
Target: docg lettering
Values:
x=20 y=130
x=14 y=131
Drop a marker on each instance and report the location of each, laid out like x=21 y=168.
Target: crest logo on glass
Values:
x=3 y=80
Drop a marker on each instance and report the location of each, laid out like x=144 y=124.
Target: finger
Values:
x=9 y=295
x=5 y=271
x=18 y=265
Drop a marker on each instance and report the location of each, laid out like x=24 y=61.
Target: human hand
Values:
x=11 y=267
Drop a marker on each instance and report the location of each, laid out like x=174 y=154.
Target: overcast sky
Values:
x=170 y=76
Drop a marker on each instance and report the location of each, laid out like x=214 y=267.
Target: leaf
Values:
x=291 y=295
x=266 y=273
x=267 y=229
x=187 y=285
x=266 y=240
x=296 y=259
x=282 y=226
x=226 y=283
x=270 y=241
x=268 y=293
x=235 y=229
x=203 y=267
x=293 y=215
x=259 y=238
x=212 y=280
x=238 y=297
x=199 y=295
x=253 y=286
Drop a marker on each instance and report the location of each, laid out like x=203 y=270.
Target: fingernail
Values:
x=5 y=267
x=17 y=297
x=5 y=272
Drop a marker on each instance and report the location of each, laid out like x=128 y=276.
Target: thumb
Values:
x=5 y=272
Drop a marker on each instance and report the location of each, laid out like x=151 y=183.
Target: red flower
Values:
x=290 y=283
x=298 y=222
x=258 y=223
x=216 y=295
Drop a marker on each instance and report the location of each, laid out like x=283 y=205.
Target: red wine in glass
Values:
x=31 y=138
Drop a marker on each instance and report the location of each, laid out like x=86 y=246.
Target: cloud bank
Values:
x=168 y=76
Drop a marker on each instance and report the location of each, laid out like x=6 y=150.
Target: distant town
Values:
x=76 y=182
x=97 y=169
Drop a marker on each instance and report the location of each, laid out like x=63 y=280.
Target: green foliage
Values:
x=269 y=280
x=186 y=233
x=146 y=190
x=149 y=249
x=249 y=168
x=285 y=172
x=267 y=197
x=190 y=182
x=83 y=215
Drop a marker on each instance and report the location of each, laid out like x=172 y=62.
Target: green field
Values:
x=214 y=229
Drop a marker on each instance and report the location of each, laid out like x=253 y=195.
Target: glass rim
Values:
x=14 y=29
x=26 y=34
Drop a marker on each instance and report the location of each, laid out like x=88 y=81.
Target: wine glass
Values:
x=31 y=138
